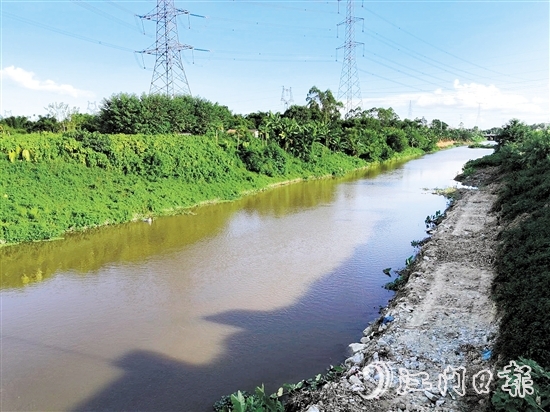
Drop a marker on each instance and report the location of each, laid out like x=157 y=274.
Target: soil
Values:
x=443 y=317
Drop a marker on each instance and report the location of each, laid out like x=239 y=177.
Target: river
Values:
x=174 y=314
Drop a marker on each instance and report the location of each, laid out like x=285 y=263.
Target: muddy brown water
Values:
x=173 y=315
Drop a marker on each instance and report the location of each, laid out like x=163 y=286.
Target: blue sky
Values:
x=476 y=62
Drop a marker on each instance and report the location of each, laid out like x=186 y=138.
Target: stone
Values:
x=439 y=402
x=313 y=408
x=352 y=371
x=356 y=347
x=431 y=396
x=355 y=359
x=368 y=331
x=365 y=339
x=354 y=380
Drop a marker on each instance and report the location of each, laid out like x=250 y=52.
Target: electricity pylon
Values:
x=169 y=75
x=350 y=88
x=286 y=97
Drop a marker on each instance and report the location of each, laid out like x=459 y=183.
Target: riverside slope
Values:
x=443 y=316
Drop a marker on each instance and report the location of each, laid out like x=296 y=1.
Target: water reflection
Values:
x=173 y=315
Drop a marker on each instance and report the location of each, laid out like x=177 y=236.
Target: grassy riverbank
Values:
x=55 y=183
x=522 y=286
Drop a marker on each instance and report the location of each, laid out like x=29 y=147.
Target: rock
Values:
x=439 y=402
x=355 y=359
x=354 y=380
x=431 y=396
x=352 y=371
x=313 y=408
x=356 y=347
x=365 y=339
x=368 y=331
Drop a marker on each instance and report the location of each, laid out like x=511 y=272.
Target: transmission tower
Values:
x=92 y=107
x=350 y=88
x=168 y=75
x=410 y=110
x=286 y=97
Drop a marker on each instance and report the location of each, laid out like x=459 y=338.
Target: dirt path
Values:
x=442 y=318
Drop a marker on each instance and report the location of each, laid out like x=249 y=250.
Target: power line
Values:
x=100 y=12
x=66 y=33
x=434 y=46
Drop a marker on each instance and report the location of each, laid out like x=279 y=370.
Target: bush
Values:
x=538 y=400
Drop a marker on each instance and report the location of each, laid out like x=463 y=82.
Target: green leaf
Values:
x=239 y=403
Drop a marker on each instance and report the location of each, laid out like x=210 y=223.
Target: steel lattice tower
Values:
x=350 y=88
x=169 y=75
x=286 y=101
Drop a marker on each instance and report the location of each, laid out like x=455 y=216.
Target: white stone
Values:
x=313 y=408
x=355 y=359
x=368 y=331
x=354 y=380
x=356 y=347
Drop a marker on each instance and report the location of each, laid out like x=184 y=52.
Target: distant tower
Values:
x=286 y=97
x=168 y=76
x=410 y=110
x=350 y=88
x=92 y=107
x=478 y=114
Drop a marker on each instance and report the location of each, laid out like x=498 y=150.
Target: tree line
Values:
x=373 y=134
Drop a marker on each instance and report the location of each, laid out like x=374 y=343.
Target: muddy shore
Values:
x=430 y=348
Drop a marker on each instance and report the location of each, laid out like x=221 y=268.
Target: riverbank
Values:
x=442 y=317
x=56 y=184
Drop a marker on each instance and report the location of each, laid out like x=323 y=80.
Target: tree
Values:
x=513 y=131
x=387 y=117
x=302 y=114
x=46 y=124
x=324 y=103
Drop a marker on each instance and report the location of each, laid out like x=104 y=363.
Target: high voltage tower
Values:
x=168 y=75
x=350 y=88
x=286 y=97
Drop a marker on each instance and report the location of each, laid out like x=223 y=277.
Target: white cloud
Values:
x=29 y=81
x=471 y=95
x=468 y=96
x=471 y=102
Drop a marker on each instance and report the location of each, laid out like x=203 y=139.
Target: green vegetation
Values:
x=402 y=274
x=154 y=155
x=536 y=401
x=521 y=288
x=259 y=401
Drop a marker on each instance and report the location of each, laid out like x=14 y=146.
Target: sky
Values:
x=479 y=63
